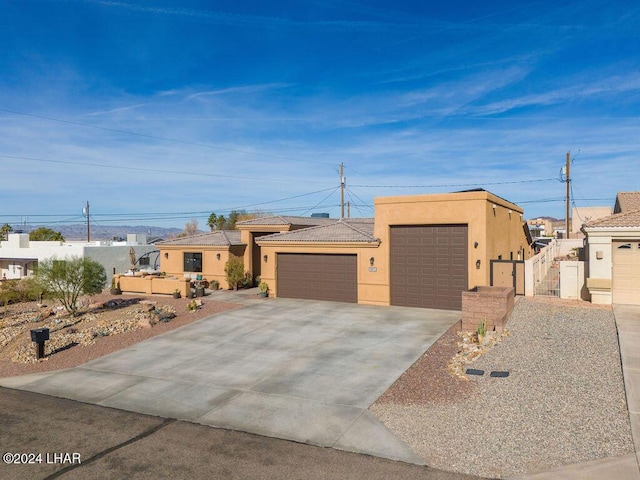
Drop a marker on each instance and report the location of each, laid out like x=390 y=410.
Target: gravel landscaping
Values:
x=108 y=323
x=562 y=403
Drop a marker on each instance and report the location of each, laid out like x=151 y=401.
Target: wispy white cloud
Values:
x=235 y=19
x=116 y=110
x=577 y=92
x=244 y=89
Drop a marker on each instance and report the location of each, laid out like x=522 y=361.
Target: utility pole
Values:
x=341 y=190
x=86 y=211
x=568 y=197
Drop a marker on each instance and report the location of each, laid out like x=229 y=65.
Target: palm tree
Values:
x=212 y=221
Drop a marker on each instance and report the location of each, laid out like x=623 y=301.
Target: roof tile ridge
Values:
x=613 y=216
x=355 y=229
x=224 y=234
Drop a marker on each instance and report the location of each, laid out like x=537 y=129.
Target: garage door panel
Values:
x=626 y=272
x=438 y=267
x=317 y=276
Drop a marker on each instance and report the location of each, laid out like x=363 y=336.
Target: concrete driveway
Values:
x=294 y=369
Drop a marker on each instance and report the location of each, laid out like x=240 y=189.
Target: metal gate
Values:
x=508 y=273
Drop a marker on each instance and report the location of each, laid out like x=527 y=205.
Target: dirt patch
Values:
x=108 y=323
x=428 y=379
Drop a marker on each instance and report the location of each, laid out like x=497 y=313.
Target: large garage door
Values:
x=428 y=266
x=626 y=272
x=318 y=277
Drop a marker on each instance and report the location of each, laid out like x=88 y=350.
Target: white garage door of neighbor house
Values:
x=626 y=272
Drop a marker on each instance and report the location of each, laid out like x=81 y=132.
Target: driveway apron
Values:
x=294 y=369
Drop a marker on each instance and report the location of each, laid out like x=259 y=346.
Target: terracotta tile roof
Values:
x=347 y=230
x=218 y=238
x=287 y=220
x=627 y=202
x=617 y=220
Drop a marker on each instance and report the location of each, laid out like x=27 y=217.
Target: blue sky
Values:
x=157 y=112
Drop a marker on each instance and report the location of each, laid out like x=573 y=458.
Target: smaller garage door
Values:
x=318 y=277
x=626 y=272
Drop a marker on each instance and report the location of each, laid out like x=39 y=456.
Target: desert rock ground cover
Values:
x=563 y=402
x=107 y=323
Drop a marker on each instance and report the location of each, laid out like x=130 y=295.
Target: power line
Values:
x=457 y=184
x=365 y=204
x=158 y=137
x=181 y=216
x=154 y=170
x=543 y=200
x=160 y=215
x=321 y=201
x=354 y=203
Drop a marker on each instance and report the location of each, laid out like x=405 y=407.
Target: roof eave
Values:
x=312 y=243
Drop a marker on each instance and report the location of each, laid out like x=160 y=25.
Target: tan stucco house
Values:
x=203 y=254
x=418 y=250
x=613 y=253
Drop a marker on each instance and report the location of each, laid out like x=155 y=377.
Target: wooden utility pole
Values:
x=341 y=190
x=568 y=198
x=88 y=227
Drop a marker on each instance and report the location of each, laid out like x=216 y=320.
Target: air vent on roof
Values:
x=319 y=215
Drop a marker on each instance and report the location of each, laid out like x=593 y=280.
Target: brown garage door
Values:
x=428 y=266
x=318 y=277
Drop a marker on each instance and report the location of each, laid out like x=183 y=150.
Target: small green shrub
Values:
x=26 y=289
x=102 y=332
x=482 y=328
x=234 y=272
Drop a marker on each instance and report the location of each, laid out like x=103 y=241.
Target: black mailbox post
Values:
x=39 y=336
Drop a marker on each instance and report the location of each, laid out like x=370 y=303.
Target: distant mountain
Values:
x=101 y=232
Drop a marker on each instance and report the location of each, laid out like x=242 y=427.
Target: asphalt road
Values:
x=71 y=440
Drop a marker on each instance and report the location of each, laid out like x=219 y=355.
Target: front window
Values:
x=192 y=262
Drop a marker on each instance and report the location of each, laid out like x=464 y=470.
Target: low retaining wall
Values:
x=151 y=284
x=491 y=303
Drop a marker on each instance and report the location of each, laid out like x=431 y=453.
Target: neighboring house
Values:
x=19 y=256
x=613 y=253
x=418 y=250
x=582 y=215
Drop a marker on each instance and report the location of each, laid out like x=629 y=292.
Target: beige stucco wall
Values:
x=496 y=231
x=600 y=270
x=368 y=291
x=212 y=268
x=247 y=235
x=151 y=284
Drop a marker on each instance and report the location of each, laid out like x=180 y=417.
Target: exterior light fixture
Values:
x=478 y=263
x=495 y=206
x=372 y=261
x=475 y=244
x=217 y=256
x=166 y=254
x=265 y=258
